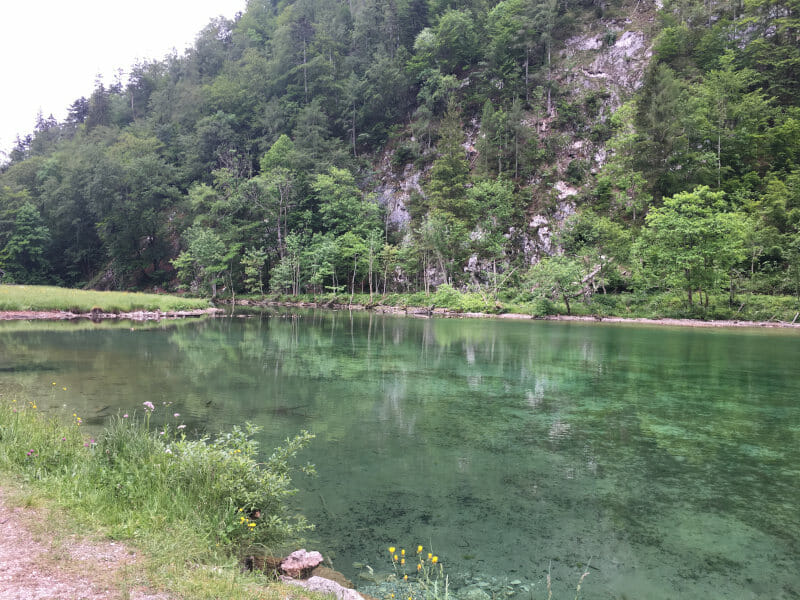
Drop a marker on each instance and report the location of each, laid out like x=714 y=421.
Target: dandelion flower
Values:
x=430 y=556
x=395 y=557
x=435 y=559
x=391 y=549
x=63 y=388
x=405 y=577
x=251 y=524
x=402 y=561
x=419 y=549
x=54 y=383
x=419 y=566
x=403 y=552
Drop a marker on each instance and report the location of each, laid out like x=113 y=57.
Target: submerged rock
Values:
x=474 y=593
x=332 y=575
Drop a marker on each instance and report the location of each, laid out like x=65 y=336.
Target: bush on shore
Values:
x=745 y=307
x=139 y=480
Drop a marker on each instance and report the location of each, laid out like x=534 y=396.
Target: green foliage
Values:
x=254 y=265
x=556 y=277
x=140 y=476
x=449 y=173
x=203 y=262
x=23 y=256
x=691 y=243
x=274 y=125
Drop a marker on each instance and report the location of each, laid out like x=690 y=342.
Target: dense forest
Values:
x=559 y=148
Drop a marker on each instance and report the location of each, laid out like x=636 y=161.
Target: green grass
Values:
x=50 y=298
x=192 y=507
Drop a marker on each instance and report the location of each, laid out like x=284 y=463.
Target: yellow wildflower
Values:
x=419 y=549
x=402 y=561
x=430 y=556
x=65 y=389
x=435 y=559
x=251 y=524
x=419 y=566
x=405 y=577
x=394 y=557
x=403 y=551
x=391 y=549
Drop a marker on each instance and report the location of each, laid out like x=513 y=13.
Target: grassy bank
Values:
x=50 y=298
x=745 y=307
x=192 y=507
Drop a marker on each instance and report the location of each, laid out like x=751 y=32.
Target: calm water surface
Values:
x=667 y=458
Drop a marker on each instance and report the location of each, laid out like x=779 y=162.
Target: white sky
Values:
x=52 y=50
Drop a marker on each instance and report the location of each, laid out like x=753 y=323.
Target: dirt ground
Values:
x=37 y=565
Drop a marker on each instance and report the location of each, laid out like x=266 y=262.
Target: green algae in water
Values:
x=666 y=458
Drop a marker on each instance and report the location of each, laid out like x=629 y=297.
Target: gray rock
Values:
x=324 y=586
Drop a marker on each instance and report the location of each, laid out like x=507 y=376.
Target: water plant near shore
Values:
x=423 y=575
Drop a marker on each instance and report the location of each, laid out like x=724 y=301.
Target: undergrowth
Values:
x=195 y=505
x=744 y=307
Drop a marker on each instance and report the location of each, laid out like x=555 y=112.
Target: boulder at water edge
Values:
x=300 y=563
x=325 y=586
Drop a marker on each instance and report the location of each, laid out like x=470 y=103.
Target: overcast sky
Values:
x=52 y=50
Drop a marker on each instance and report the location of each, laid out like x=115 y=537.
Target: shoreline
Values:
x=137 y=315
x=410 y=311
x=423 y=312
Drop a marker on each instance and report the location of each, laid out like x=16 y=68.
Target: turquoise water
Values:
x=668 y=459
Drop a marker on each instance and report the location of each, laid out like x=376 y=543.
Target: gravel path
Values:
x=34 y=567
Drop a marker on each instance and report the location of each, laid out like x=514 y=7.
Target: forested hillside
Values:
x=523 y=148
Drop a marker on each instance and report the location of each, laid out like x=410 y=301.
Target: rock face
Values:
x=300 y=563
x=325 y=586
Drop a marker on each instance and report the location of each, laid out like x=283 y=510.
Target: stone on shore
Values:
x=324 y=586
x=328 y=573
x=300 y=563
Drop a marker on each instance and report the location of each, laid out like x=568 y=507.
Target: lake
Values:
x=667 y=459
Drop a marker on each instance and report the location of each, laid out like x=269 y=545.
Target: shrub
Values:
x=138 y=477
